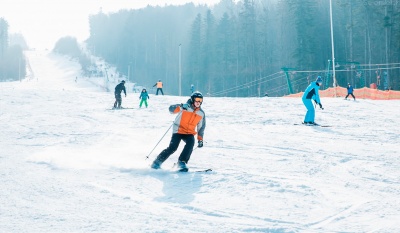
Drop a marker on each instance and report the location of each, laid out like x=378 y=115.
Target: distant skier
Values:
x=144 y=96
x=350 y=92
x=159 y=85
x=118 y=90
x=192 y=88
x=311 y=93
x=190 y=116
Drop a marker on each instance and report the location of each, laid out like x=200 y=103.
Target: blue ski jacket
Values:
x=350 y=89
x=311 y=92
x=144 y=96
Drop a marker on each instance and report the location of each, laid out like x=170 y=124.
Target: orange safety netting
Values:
x=362 y=93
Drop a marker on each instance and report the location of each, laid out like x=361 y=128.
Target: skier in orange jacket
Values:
x=159 y=85
x=184 y=128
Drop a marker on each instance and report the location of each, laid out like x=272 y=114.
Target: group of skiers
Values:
x=191 y=120
x=144 y=96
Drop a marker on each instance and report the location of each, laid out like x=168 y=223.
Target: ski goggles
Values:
x=200 y=100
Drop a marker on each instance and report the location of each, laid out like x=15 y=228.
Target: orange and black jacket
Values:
x=158 y=84
x=188 y=119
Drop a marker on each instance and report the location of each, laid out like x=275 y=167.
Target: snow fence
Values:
x=361 y=93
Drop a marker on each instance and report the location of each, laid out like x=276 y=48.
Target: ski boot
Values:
x=156 y=164
x=181 y=166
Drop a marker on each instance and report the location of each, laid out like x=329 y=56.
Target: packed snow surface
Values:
x=69 y=164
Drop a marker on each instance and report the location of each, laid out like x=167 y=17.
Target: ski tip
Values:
x=205 y=170
x=187 y=170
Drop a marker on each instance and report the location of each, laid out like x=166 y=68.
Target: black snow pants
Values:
x=173 y=146
x=118 y=100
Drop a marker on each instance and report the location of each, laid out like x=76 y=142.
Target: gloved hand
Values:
x=125 y=95
x=200 y=143
x=320 y=106
x=185 y=106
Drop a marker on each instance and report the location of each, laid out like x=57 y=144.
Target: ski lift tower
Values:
x=286 y=70
x=328 y=74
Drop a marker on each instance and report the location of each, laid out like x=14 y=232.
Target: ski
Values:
x=174 y=168
x=313 y=125
x=199 y=170
x=204 y=170
x=192 y=170
x=118 y=108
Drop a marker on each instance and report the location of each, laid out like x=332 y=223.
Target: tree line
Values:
x=248 y=48
x=12 y=60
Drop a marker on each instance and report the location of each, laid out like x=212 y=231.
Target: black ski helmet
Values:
x=123 y=81
x=196 y=94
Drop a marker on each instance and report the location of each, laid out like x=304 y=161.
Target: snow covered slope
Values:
x=67 y=164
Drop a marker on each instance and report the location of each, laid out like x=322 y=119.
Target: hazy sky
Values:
x=43 y=22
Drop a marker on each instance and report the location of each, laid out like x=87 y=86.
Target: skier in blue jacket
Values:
x=311 y=93
x=350 y=92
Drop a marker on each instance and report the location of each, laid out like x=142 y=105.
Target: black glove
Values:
x=320 y=106
x=200 y=143
x=125 y=95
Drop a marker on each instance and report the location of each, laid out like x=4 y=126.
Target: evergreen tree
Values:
x=225 y=52
x=303 y=14
x=3 y=37
x=247 y=46
x=194 y=56
x=209 y=53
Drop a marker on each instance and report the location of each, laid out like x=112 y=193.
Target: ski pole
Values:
x=315 y=106
x=159 y=141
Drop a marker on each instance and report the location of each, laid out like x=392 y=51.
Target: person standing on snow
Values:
x=118 y=90
x=311 y=93
x=350 y=92
x=190 y=116
x=144 y=96
x=159 y=85
x=192 y=88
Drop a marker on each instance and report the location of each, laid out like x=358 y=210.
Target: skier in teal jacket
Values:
x=144 y=96
x=311 y=93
